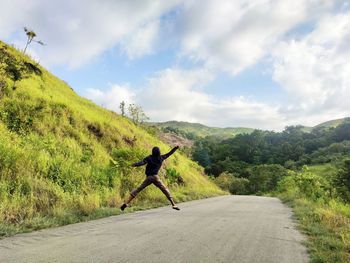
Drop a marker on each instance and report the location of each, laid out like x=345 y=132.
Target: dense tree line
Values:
x=287 y=148
x=264 y=157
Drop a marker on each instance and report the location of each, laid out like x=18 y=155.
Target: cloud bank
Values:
x=305 y=42
x=174 y=94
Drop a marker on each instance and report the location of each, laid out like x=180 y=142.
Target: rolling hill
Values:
x=325 y=125
x=192 y=131
x=63 y=158
x=333 y=123
x=199 y=130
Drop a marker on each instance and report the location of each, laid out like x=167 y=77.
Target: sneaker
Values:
x=176 y=207
x=123 y=207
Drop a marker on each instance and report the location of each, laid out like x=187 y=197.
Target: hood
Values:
x=156 y=152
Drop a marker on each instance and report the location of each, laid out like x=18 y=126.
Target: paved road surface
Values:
x=242 y=229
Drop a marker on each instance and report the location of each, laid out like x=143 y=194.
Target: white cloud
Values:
x=233 y=35
x=142 y=41
x=112 y=97
x=175 y=94
x=315 y=70
x=77 y=31
x=226 y=35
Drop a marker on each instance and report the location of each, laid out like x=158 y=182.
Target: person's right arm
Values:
x=140 y=163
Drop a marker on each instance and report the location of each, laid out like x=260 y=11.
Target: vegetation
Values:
x=309 y=170
x=64 y=159
x=30 y=38
x=322 y=215
x=122 y=108
x=291 y=148
x=333 y=123
x=136 y=113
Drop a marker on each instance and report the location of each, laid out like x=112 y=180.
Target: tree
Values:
x=122 y=108
x=30 y=38
x=342 y=132
x=201 y=155
x=343 y=180
x=137 y=114
x=264 y=178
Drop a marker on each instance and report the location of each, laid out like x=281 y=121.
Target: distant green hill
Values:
x=326 y=125
x=200 y=130
x=333 y=123
x=192 y=130
x=63 y=158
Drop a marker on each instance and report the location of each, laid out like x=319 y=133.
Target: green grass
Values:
x=323 y=217
x=325 y=170
x=64 y=159
x=327 y=227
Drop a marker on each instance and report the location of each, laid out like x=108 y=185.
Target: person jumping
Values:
x=154 y=162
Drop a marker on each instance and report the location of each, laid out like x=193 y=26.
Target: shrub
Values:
x=232 y=184
x=264 y=178
x=306 y=184
x=239 y=186
x=173 y=177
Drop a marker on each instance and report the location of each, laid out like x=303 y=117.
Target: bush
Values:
x=232 y=184
x=264 y=178
x=239 y=186
x=174 y=177
x=306 y=184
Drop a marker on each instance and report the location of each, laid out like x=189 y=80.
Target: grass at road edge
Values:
x=327 y=227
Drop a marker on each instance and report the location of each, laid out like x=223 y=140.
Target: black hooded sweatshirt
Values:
x=154 y=161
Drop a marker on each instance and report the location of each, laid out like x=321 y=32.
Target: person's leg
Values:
x=134 y=192
x=157 y=182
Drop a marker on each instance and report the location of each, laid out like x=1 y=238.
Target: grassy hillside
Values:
x=333 y=123
x=63 y=158
x=201 y=130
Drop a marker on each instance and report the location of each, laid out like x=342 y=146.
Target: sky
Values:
x=263 y=64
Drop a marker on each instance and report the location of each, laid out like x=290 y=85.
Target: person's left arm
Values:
x=170 y=153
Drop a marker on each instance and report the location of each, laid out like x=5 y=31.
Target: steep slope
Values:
x=62 y=157
x=196 y=129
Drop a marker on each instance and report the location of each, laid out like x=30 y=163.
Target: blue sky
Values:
x=263 y=63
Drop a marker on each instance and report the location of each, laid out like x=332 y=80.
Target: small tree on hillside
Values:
x=30 y=38
x=122 y=108
x=137 y=114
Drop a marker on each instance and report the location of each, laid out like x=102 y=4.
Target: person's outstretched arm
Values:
x=170 y=153
x=140 y=163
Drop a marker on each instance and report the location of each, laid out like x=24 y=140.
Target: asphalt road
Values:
x=242 y=229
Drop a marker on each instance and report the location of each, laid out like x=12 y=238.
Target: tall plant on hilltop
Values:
x=30 y=38
x=122 y=108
